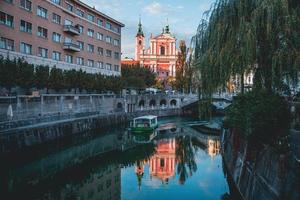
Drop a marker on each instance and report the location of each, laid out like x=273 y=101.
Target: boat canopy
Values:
x=149 y=117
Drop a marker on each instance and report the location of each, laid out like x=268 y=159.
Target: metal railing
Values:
x=71 y=29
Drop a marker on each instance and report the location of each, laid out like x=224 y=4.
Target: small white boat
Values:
x=144 y=125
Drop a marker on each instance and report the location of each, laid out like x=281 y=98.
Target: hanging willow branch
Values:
x=248 y=35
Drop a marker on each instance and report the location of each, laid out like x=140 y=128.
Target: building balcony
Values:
x=71 y=46
x=71 y=29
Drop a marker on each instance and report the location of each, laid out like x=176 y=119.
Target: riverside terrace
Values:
x=22 y=110
x=31 y=120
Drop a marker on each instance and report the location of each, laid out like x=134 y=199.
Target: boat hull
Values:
x=142 y=130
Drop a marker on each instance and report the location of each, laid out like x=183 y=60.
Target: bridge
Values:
x=219 y=101
x=32 y=110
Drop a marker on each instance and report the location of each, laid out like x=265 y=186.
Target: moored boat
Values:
x=144 y=125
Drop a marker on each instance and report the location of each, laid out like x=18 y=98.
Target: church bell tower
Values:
x=139 y=41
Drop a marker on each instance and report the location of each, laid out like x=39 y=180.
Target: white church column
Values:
x=174 y=48
x=174 y=70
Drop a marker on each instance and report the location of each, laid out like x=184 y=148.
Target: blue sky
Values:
x=183 y=17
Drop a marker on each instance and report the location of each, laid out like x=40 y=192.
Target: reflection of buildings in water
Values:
x=213 y=147
x=139 y=171
x=105 y=184
x=162 y=163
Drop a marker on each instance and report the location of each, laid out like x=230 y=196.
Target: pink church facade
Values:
x=160 y=56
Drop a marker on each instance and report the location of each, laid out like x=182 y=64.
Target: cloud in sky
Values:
x=182 y=16
x=154 y=8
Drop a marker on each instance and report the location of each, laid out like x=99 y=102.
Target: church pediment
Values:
x=164 y=36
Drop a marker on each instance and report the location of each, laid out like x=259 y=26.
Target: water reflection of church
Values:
x=213 y=147
x=162 y=164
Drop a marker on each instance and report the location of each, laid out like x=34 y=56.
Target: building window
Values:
x=81 y=45
x=99 y=36
x=117 y=68
x=56 y=37
x=90 y=17
x=162 y=50
x=56 y=2
x=6 y=44
x=56 y=55
x=90 y=32
x=56 y=18
x=79 y=12
x=117 y=55
x=108 y=25
x=108 y=66
x=99 y=65
x=100 y=51
x=26 y=48
x=117 y=29
x=80 y=61
x=108 y=39
x=42 y=32
x=90 y=63
x=108 y=53
x=90 y=48
x=26 y=4
x=116 y=42
x=100 y=22
x=68 y=40
x=68 y=22
x=80 y=28
x=6 y=19
x=42 y=12
x=42 y=52
x=69 y=59
x=25 y=26
x=69 y=7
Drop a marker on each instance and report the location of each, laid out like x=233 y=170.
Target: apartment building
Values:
x=67 y=34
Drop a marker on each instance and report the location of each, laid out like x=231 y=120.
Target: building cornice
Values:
x=99 y=13
x=74 y=15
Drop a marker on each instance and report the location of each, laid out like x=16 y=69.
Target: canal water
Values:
x=179 y=163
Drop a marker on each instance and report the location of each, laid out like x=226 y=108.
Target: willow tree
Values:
x=243 y=35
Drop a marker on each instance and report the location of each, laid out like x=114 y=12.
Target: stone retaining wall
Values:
x=261 y=174
x=19 y=138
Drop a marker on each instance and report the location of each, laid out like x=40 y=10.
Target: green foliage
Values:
x=56 y=79
x=137 y=77
x=184 y=69
x=41 y=77
x=20 y=73
x=242 y=35
x=259 y=114
x=25 y=74
x=9 y=72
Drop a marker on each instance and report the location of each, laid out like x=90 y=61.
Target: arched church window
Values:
x=162 y=50
x=140 y=42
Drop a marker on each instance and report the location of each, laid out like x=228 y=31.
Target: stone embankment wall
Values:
x=260 y=173
x=19 y=138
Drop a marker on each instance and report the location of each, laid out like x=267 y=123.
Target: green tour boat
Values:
x=144 y=125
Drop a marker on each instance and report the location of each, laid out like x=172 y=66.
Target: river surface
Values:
x=179 y=163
